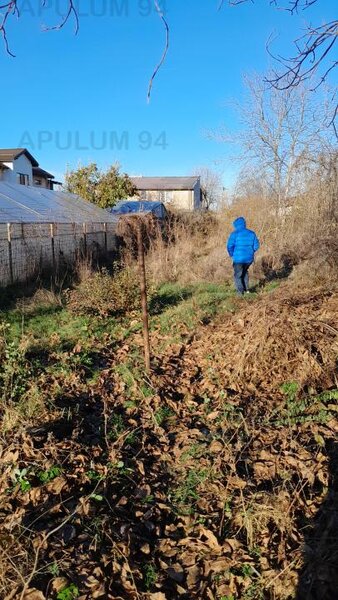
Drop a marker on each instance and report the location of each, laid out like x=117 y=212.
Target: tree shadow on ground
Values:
x=163 y=300
x=287 y=263
x=318 y=579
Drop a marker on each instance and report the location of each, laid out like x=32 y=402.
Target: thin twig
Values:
x=165 y=51
x=11 y=8
x=71 y=11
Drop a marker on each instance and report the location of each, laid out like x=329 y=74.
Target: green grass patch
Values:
x=185 y=307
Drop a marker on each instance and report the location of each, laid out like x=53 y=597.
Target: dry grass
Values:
x=194 y=251
x=41 y=300
x=265 y=510
x=30 y=406
x=83 y=268
x=287 y=335
x=304 y=235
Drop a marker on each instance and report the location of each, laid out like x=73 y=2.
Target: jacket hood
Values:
x=239 y=223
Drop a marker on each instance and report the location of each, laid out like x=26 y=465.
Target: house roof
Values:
x=10 y=154
x=3 y=166
x=165 y=183
x=38 y=172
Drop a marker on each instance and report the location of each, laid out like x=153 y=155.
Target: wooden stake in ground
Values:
x=143 y=288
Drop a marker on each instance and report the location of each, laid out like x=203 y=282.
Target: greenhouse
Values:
x=43 y=229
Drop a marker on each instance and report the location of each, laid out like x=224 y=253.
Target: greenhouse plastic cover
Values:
x=139 y=206
x=25 y=204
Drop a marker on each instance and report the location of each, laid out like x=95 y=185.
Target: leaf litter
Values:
x=206 y=481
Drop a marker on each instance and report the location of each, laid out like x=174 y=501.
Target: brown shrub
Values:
x=101 y=294
x=127 y=232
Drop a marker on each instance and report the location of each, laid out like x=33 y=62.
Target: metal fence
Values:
x=29 y=248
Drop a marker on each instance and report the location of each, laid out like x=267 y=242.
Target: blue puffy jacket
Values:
x=242 y=243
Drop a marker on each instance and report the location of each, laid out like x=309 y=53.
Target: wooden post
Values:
x=105 y=238
x=52 y=232
x=143 y=288
x=85 y=238
x=10 y=253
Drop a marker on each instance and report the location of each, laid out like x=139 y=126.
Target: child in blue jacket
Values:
x=242 y=245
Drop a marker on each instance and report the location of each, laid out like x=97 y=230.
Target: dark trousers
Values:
x=241 y=276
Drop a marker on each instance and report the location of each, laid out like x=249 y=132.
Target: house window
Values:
x=23 y=179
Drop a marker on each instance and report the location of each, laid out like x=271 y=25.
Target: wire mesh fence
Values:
x=27 y=249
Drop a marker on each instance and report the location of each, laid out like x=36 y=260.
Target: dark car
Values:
x=127 y=207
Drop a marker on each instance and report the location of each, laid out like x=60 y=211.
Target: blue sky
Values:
x=76 y=99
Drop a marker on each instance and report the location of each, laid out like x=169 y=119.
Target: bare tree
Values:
x=249 y=184
x=283 y=133
x=313 y=50
x=211 y=187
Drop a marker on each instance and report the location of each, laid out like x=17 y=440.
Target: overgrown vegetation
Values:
x=214 y=476
x=197 y=482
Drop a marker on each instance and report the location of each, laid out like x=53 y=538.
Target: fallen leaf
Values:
x=34 y=594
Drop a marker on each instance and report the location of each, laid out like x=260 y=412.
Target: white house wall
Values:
x=19 y=165
x=23 y=165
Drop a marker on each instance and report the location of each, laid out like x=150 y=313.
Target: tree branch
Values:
x=165 y=51
x=11 y=8
x=312 y=52
x=312 y=48
x=70 y=12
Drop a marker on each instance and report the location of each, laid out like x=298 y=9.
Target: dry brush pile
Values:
x=202 y=482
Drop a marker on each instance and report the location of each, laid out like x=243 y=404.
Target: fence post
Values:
x=143 y=288
x=85 y=238
x=105 y=238
x=10 y=253
x=52 y=232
